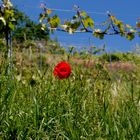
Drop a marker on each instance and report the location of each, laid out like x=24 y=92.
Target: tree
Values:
x=27 y=29
x=16 y=22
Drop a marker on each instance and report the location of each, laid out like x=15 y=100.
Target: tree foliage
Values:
x=11 y=19
x=7 y=18
x=27 y=29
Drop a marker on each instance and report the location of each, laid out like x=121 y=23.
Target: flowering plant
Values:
x=62 y=70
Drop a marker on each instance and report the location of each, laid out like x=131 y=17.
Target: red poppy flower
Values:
x=62 y=70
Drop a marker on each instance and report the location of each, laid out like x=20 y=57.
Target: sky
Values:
x=125 y=10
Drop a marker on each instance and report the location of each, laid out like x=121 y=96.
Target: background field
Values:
x=100 y=100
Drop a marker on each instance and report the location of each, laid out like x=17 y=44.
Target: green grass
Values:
x=93 y=103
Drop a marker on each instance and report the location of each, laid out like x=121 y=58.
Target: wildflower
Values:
x=62 y=70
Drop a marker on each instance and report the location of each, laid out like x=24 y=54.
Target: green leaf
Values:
x=54 y=21
x=3 y=20
x=43 y=27
x=88 y=22
x=75 y=25
x=130 y=36
x=11 y=26
x=98 y=34
x=9 y=4
x=83 y=13
x=118 y=22
x=64 y=26
x=8 y=14
x=75 y=17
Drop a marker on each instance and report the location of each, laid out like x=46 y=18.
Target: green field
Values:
x=100 y=100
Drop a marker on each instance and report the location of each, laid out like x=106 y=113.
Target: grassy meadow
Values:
x=99 y=101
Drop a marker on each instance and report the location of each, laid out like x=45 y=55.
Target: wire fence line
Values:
x=73 y=11
x=64 y=10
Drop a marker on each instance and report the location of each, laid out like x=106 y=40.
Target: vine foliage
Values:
x=7 y=20
x=82 y=22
